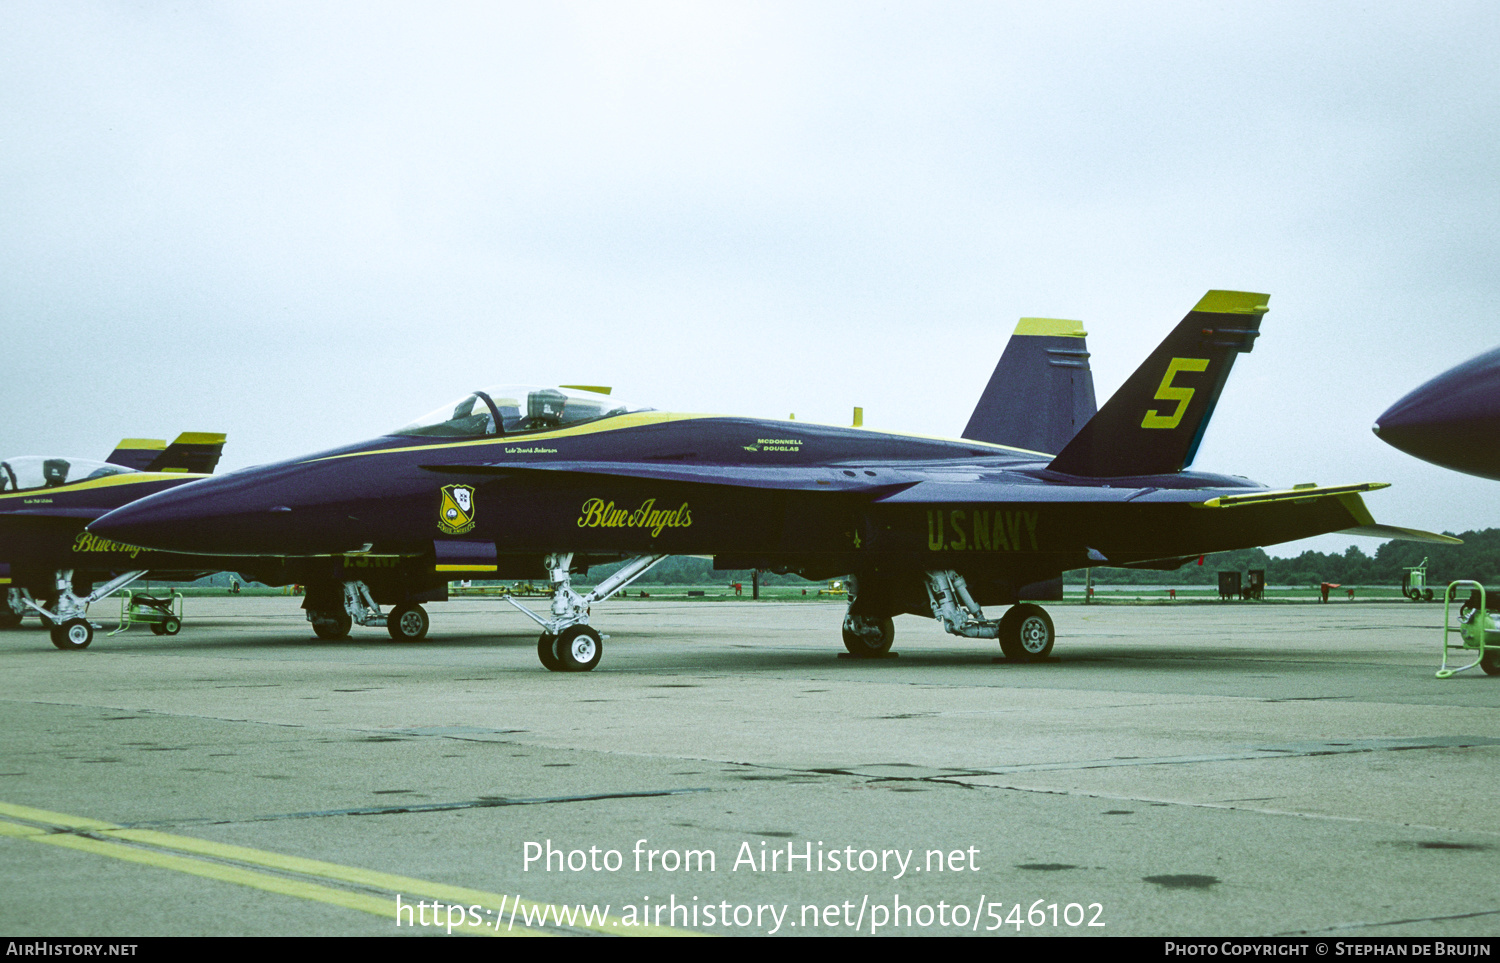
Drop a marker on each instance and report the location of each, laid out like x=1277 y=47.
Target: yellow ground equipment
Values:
x=1476 y=628
x=164 y=615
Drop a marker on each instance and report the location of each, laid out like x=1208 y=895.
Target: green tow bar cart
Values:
x=1475 y=629
x=163 y=615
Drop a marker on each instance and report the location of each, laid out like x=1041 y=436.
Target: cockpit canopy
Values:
x=42 y=471
x=517 y=409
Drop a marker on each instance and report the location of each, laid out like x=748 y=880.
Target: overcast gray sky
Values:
x=307 y=223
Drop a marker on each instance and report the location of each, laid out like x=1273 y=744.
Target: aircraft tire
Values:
x=9 y=619
x=1490 y=663
x=336 y=628
x=546 y=650
x=578 y=648
x=407 y=623
x=875 y=639
x=73 y=634
x=1026 y=633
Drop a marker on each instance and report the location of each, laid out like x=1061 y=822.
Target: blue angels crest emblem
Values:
x=456 y=509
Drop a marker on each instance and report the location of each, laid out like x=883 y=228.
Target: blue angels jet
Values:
x=1452 y=420
x=515 y=482
x=51 y=567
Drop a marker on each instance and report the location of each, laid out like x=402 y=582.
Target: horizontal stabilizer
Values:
x=1304 y=494
x=1041 y=391
x=1402 y=534
x=1155 y=422
x=1348 y=496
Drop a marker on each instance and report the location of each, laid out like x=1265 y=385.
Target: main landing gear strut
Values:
x=568 y=643
x=68 y=620
x=14 y=607
x=1025 y=631
x=404 y=623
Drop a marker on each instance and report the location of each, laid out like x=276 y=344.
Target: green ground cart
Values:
x=164 y=615
x=1414 y=583
x=1475 y=629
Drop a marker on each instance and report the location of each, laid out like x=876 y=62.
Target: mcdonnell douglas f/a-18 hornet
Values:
x=50 y=566
x=514 y=482
x=1452 y=420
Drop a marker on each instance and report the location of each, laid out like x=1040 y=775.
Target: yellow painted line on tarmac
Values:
x=378 y=906
x=505 y=919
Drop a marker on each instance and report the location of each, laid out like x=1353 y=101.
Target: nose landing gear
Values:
x=568 y=643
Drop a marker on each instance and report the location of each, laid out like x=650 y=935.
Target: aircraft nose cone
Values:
x=1452 y=420
x=234 y=515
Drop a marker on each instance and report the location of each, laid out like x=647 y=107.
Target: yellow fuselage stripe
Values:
x=638 y=420
x=379 y=906
x=108 y=481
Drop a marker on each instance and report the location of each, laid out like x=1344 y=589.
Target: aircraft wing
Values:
x=892 y=487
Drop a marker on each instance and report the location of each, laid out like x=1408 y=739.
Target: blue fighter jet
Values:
x=516 y=482
x=1452 y=420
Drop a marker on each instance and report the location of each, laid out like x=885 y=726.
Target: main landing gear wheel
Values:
x=578 y=649
x=407 y=623
x=9 y=620
x=333 y=626
x=868 y=637
x=73 y=634
x=1026 y=633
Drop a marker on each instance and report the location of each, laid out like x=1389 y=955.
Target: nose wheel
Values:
x=73 y=634
x=577 y=649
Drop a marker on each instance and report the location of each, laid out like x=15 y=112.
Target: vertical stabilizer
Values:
x=192 y=451
x=1041 y=392
x=1155 y=422
x=137 y=453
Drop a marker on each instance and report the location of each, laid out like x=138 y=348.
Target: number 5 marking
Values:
x=1167 y=392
